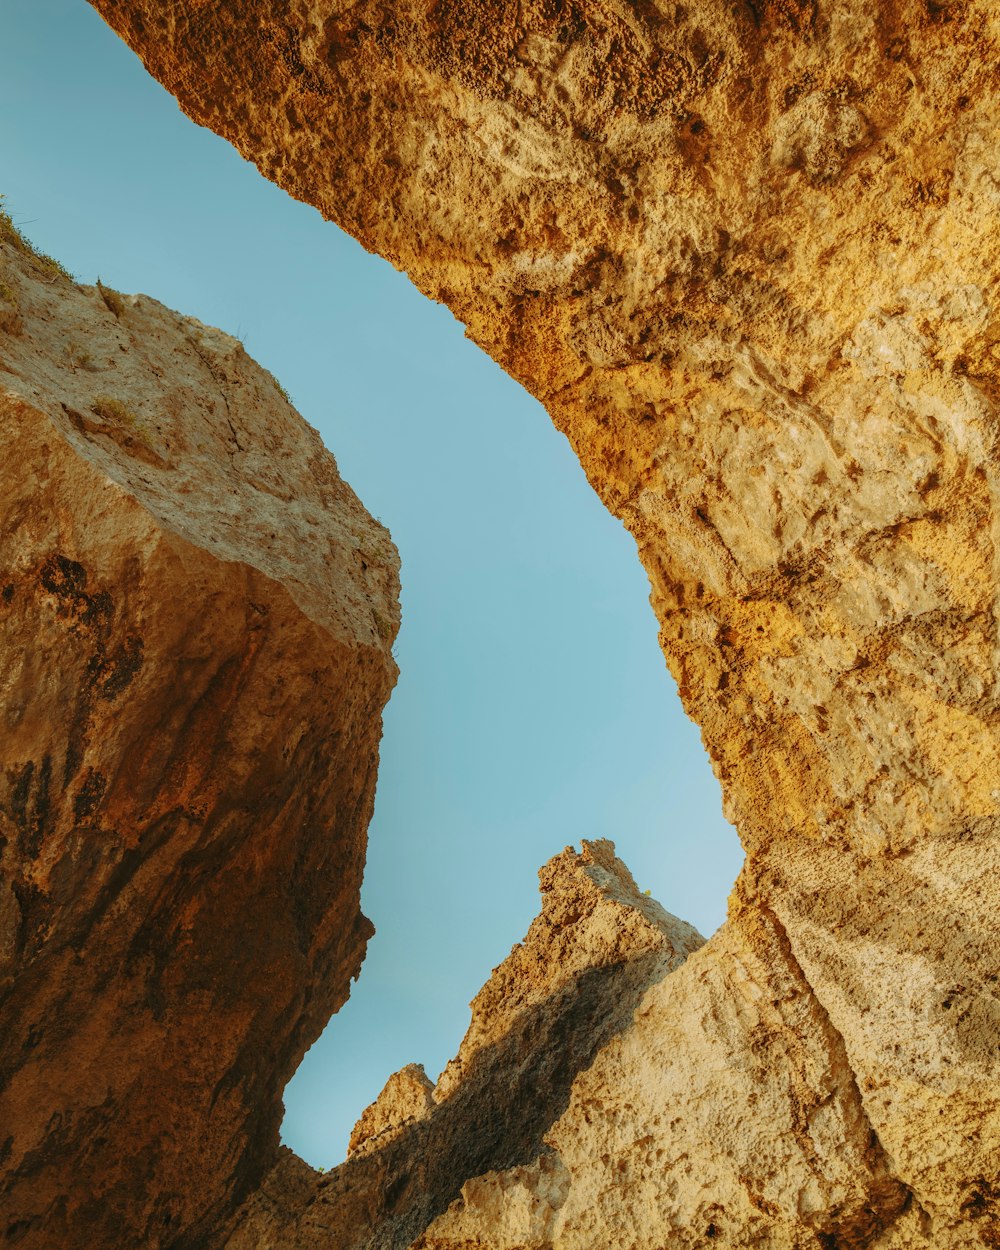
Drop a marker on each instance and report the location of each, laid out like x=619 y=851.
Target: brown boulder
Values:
x=196 y=616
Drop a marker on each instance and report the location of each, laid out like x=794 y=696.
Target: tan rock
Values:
x=408 y=1096
x=196 y=616
x=748 y=257
x=725 y=1112
x=559 y=997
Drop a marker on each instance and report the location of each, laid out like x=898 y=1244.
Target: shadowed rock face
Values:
x=195 y=621
x=747 y=255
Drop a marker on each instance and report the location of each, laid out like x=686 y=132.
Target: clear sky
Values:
x=534 y=707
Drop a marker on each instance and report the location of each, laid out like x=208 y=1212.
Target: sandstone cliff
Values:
x=196 y=616
x=746 y=252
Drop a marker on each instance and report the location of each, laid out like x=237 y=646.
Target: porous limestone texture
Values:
x=196 y=617
x=562 y=994
x=747 y=253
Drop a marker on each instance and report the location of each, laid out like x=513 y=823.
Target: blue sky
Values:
x=534 y=707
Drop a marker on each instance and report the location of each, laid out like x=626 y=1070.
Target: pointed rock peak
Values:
x=406 y=1097
x=593 y=917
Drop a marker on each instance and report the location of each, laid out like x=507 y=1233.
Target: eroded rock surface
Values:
x=196 y=616
x=560 y=997
x=747 y=255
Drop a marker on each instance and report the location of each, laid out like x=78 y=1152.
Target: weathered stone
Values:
x=408 y=1096
x=196 y=616
x=559 y=998
x=747 y=255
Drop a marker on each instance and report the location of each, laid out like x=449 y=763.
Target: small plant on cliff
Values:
x=382 y=626
x=112 y=299
x=78 y=357
x=278 y=387
x=10 y=234
x=10 y=321
x=111 y=409
x=10 y=315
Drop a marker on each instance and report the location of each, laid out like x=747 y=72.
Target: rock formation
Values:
x=564 y=993
x=196 y=617
x=745 y=251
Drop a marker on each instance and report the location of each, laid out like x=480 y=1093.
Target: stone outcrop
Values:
x=196 y=617
x=554 y=1004
x=746 y=253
